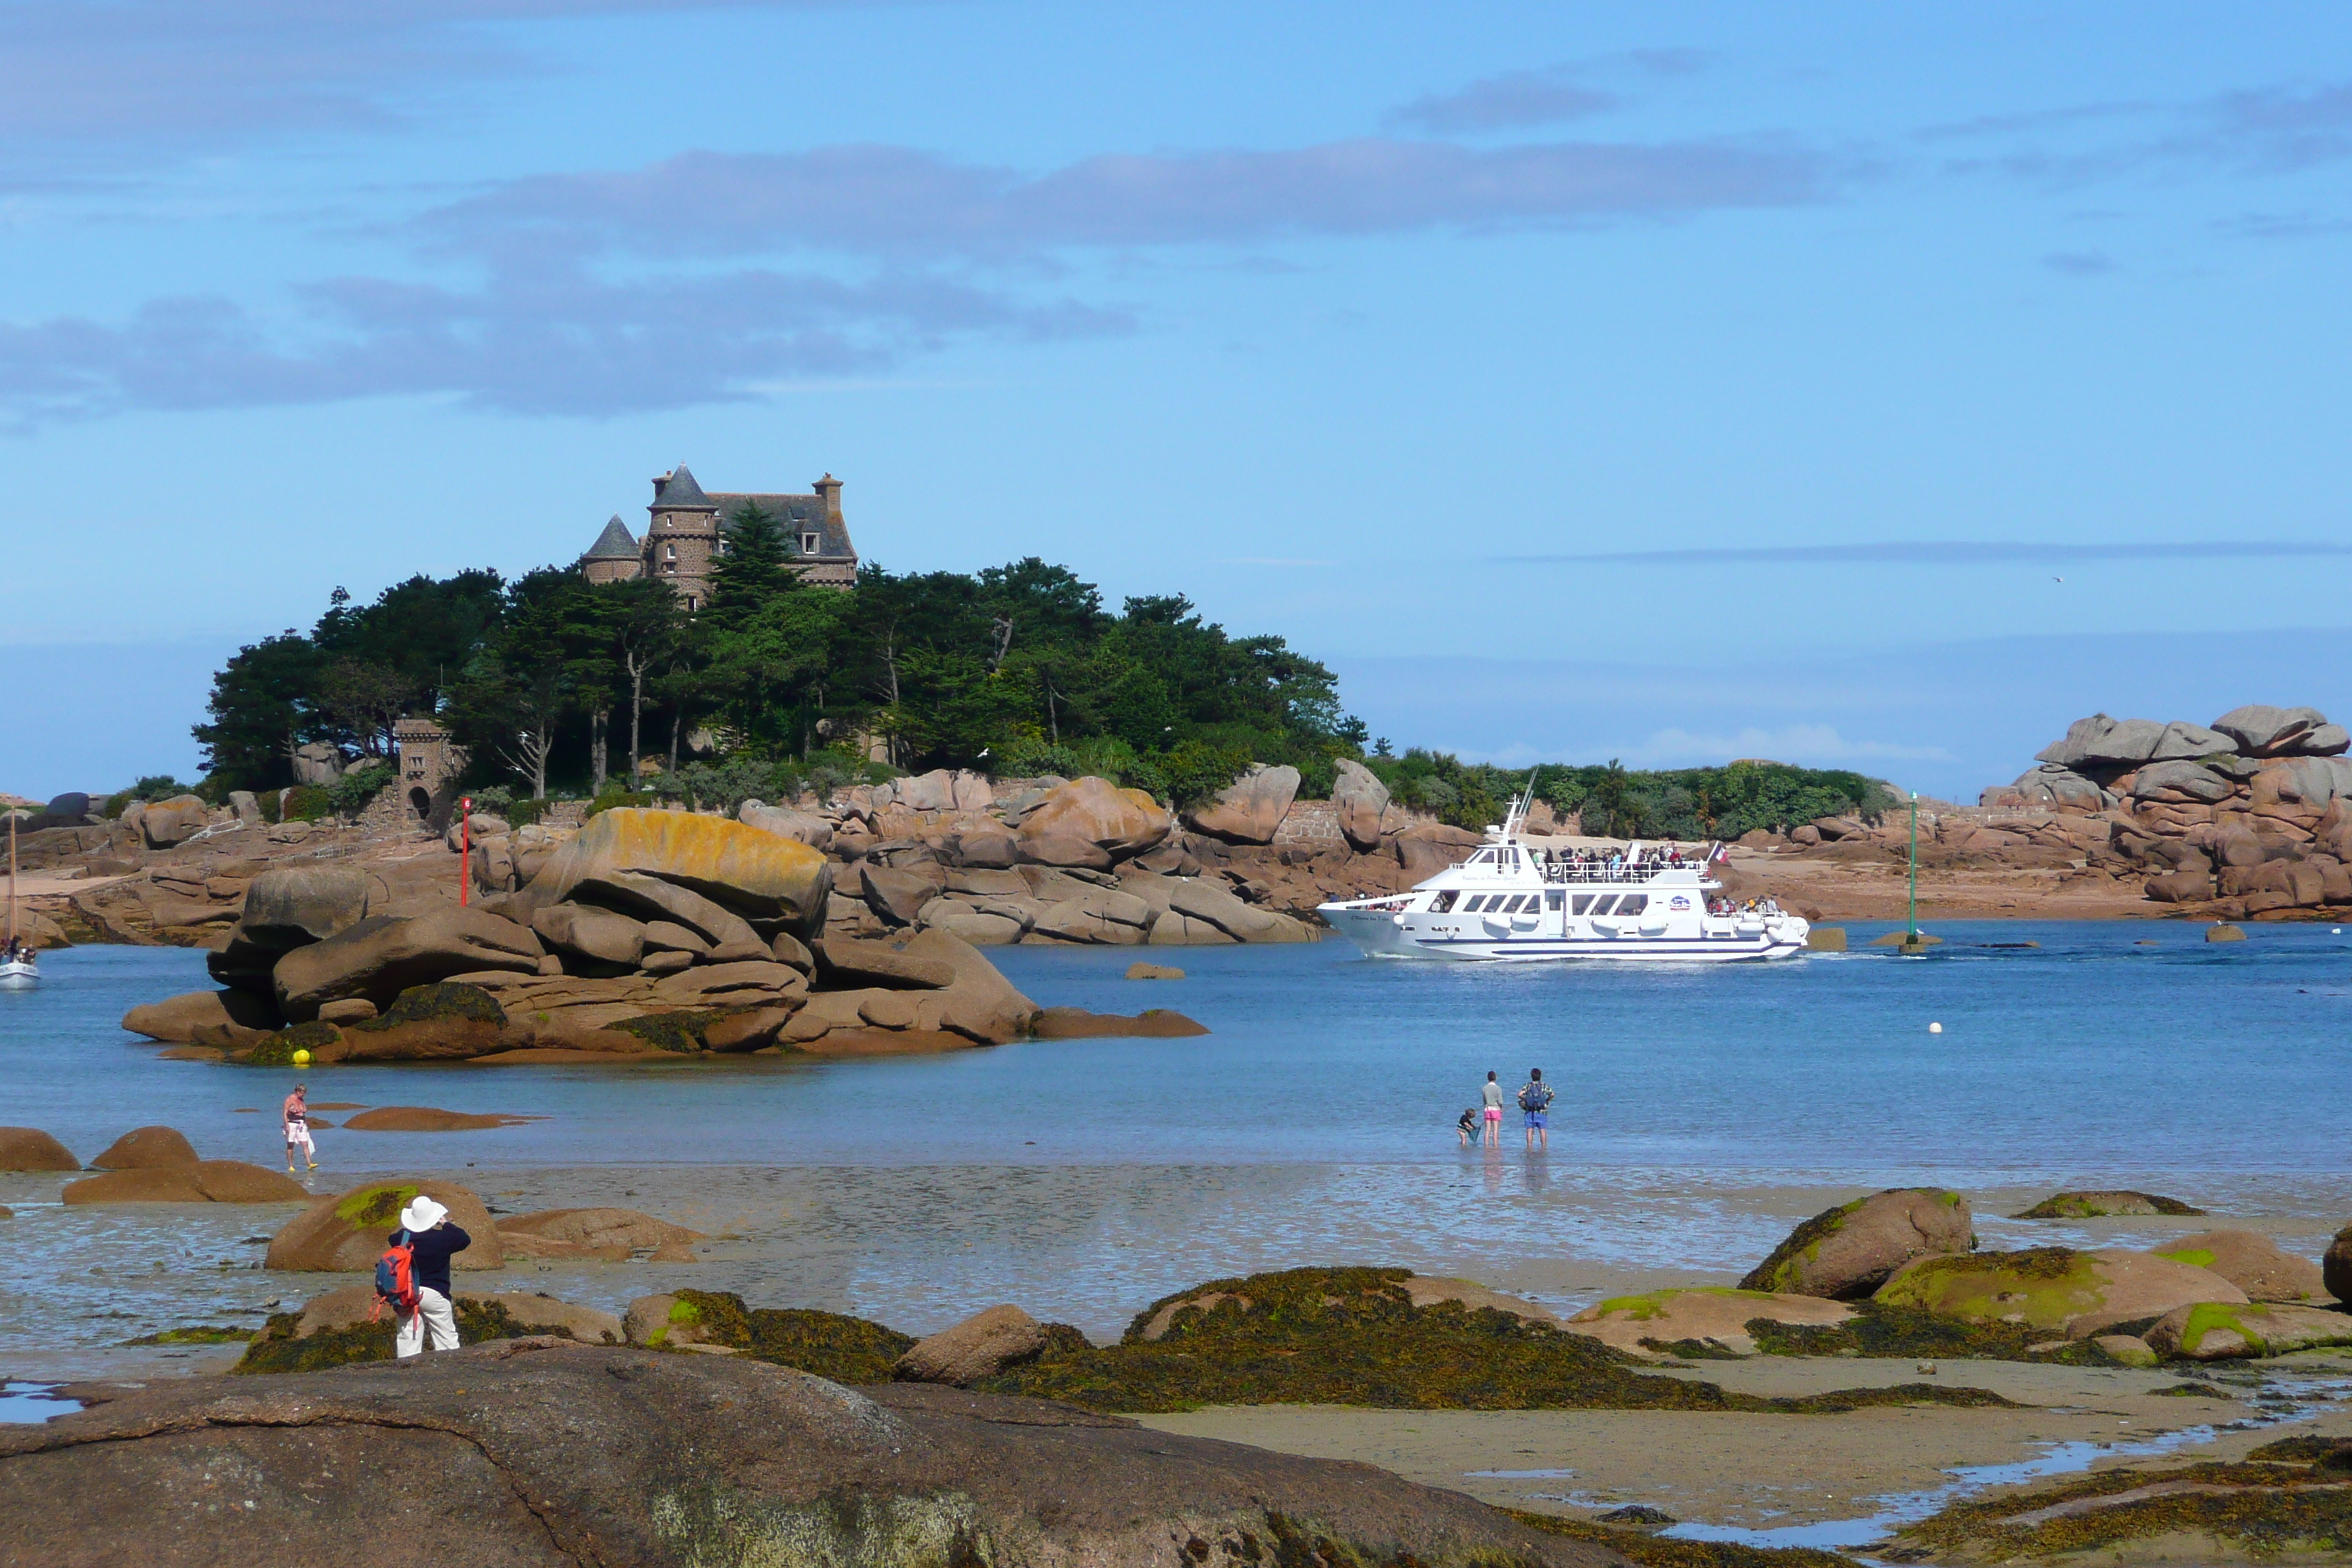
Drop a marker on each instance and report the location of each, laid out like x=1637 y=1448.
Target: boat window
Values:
x=1634 y=904
x=1583 y=904
x=1512 y=907
x=1601 y=908
x=1552 y=898
x=1472 y=905
x=1484 y=857
x=1442 y=903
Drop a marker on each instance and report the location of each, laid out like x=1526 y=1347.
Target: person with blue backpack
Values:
x=412 y=1277
x=1535 y=1099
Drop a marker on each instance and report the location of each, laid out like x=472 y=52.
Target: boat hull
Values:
x=19 y=977
x=1382 y=934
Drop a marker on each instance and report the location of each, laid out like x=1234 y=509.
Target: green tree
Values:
x=260 y=709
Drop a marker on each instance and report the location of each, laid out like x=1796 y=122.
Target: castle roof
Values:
x=677 y=491
x=799 y=516
x=615 y=543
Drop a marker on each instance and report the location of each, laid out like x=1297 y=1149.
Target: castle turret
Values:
x=614 y=557
x=684 y=536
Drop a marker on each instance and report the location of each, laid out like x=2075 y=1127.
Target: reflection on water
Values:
x=33 y=1402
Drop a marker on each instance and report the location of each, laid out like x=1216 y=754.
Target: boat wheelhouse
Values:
x=1512 y=900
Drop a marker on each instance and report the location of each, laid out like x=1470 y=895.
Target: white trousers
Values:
x=431 y=1311
x=298 y=1134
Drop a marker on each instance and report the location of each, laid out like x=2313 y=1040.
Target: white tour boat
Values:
x=1512 y=901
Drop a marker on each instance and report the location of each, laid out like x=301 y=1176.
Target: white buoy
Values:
x=1935 y=1028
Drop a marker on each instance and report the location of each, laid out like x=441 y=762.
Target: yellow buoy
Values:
x=302 y=1059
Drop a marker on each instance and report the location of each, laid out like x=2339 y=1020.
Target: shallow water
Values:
x=1314 y=1124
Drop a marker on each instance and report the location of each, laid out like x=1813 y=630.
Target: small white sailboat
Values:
x=17 y=970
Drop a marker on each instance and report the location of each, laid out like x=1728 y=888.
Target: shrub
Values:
x=349 y=796
x=267 y=801
x=615 y=795
x=523 y=813
x=307 y=802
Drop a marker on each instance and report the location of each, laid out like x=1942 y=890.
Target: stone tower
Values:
x=684 y=538
x=615 y=557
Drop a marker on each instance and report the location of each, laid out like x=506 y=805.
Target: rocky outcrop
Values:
x=166 y=824
x=147 y=1148
x=427 y=1119
x=546 y=1451
x=204 y=1182
x=347 y=1232
x=2252 y=1262
x=1362 y=802
x=2251 y=816
x=762 y=878
x=2100 y=1202
x=1248 y=810
x=1653 y=1323
x=224 y=1018
x=1117 y=822
x=981 y=1346
x=384 y=956
x=1848 y=1252
x=2053 y=1289
x=30 y=1149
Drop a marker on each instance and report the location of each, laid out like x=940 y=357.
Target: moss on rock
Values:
x=2040 y=1288
x=1878 y=1329
x=830 y=1344
x=441 y=1002
x=2104 y=1205
x=679 y=1032
x=283 y=1347
x=1353 y=1336
x=195 y=1334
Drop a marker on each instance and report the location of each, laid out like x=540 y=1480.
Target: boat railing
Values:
x=1615 y=871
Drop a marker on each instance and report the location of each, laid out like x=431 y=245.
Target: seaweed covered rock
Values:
x=30 y=1149
x=2103 y=1202
x=611 y=1235
x=2252 y=1262
x=347 y=1231
x=204 y=1182
x=1355 y=1336
x=427 y=1118
x=1847 y=1252
x=1710 y=1318
x=147 y=1148
x=536 y=1451
x=829 y=1344
x=1077 y=1024
x=2231 y=1330
x=344 y=1327
x=2054 y=1288
x=981 y=1346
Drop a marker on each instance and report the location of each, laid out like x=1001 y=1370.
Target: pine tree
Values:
x=751 y=571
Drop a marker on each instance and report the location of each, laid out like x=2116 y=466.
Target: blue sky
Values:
x=1671 y=382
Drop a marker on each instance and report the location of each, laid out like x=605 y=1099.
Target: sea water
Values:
x=1313 y=1123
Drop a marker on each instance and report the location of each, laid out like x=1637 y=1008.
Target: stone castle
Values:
x=689 y=529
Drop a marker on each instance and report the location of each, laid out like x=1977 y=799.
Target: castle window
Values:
x=670 y=551
x=808 y=543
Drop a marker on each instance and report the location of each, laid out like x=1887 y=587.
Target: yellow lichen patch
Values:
x=2040 y=1288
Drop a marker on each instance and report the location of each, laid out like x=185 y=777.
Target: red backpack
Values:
x=395 y=1278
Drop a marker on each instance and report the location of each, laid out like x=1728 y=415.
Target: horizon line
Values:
x=1943 y=553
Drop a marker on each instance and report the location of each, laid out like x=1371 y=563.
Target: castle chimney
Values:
x=829 y=491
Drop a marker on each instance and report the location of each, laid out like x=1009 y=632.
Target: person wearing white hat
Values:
x=432 y=1242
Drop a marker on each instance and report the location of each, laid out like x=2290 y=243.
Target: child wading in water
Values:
x=298 y=1129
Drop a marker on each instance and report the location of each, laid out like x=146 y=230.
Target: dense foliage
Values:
x=1616 y=802
x=552 y=680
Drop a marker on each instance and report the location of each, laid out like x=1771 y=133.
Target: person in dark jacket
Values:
x=432 y=1242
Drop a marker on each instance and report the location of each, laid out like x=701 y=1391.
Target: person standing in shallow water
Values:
x=1535 y=1099
x=1494 y=1113
x=298 y=1129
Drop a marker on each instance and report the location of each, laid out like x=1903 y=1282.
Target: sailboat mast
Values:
x=12 y=877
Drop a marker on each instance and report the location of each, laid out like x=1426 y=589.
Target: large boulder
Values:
x=2053 y=1289
x=2100 y=743
x=384 y=954
x=604 y=936
x=611 y=1235
x=166 y=824
x=979 y=1004
x=2336 y=1267
x=1117 y=822
x=30 y=1149
x=1248 y=810
x=2102 y=1202
x=205 y=1182
x=2262 y=730
x=1360 y=802
x=803 y=827
x=761 y=877
x=287 y=908
x=2185 y=740
x=728 y=937
x=227 y=1018
x=2252 y=1262
x=896 y=897
x=348 y=1232
x=981 y=1346
x=2225 y=1330
x=848 y=962
x=1847 y=1252
x=542 y=1451
x=1211 y=905
x=2193 y=780
x=1648 y=1324
x=1105 y=915
x=147 y=1149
